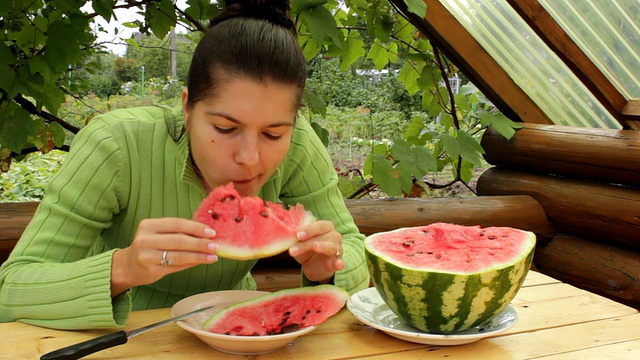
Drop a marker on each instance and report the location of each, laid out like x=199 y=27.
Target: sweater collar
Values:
x=181 y=137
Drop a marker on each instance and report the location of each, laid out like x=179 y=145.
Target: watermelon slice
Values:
x=443 y=278
x=276 y=312
x=248 y=227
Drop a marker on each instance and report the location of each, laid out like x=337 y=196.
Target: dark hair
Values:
x=251 y=38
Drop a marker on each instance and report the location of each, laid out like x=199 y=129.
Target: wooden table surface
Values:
x=556 y=321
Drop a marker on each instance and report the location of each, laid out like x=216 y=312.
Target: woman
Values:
x=113 y=232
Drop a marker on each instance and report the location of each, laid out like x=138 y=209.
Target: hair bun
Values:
x=275 y=11
x=282 y=5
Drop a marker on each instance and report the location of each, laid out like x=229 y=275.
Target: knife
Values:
x=91 y=346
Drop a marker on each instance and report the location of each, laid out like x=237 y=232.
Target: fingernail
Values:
x=301 y=235
x=209 y=232
x=294 y=250
x=212 y=246
x=212 y=258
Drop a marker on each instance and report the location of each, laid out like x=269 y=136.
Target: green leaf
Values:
x=409 y=77
x=466 y=171
x=300 y=5
x=382 y=28
x=429 y=77
x=58 y=133
x=418 y=160
x=502 y=124
x=404 y=172
x=415 y=127
x=450 y=145
x=321 y=25
x=38 y=64
x=161 y=17
x=315 y=103
x=430 y=104
x=418 y=7
x=54 y=98
x=379 y=54
x=15 y=128
x=385 y=175
x=354 y=50
x=104 y=8
x=470 y=149
x=322 y=133
x=65 y=42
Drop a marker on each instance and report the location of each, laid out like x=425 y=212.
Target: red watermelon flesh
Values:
x=248 y=227
x=450 y=247
x=275 y=312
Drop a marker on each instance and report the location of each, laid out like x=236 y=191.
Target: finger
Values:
x=176 y=225
x=178 y=259
x=316 y=228
x=328 y=248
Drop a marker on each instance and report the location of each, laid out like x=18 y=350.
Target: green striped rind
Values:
x=441 y=302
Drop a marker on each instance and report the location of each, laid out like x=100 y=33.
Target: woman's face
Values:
x=242 y=133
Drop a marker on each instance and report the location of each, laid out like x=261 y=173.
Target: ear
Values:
x=186 y=110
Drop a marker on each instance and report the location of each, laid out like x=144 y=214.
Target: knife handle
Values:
x=85 y=348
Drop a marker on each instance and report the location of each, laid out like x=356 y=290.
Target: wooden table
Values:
x=556 y=321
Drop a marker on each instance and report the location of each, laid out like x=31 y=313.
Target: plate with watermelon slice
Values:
x=368 y=306
x=247 y=322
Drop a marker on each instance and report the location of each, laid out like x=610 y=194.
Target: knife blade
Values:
x=91 y=346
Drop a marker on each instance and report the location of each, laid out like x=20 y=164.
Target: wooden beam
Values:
x=631 y=114
x=572 y=55
x=605 y=155
x=606 y=270
x=446 y=32
x=595 y=211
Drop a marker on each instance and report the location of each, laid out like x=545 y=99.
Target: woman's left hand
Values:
x=319 y=250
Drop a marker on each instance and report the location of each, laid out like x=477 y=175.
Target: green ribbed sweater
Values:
x=123 y=167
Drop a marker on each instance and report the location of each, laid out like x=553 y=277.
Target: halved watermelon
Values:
x=272 y=313
x=248 y=227
x=444 y=278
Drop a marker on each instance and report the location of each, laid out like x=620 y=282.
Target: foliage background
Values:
x=411 y=123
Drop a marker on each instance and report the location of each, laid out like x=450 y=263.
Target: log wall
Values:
x=588 y=183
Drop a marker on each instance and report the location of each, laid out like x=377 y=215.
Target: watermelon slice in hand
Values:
x=248 y=227
x=278 y=311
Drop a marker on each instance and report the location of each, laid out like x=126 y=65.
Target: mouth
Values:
x=245 y=181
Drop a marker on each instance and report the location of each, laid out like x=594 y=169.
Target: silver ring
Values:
x=165 y=261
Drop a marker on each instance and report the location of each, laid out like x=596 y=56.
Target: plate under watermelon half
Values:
x=249 y=227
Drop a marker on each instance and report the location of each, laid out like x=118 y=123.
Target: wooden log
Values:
x=605 y=155
x=607 y=270
x=377 y=215
x=591 y=210
x=522 y=212
x=14 y=217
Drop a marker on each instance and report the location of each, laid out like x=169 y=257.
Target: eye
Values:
x=224 y=130
x=272 y=136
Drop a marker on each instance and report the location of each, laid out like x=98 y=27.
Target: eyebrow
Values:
x=234 y=120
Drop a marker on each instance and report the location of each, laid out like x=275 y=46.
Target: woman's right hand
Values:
x=187 y=243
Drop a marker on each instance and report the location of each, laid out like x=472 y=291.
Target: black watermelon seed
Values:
x=238 y=219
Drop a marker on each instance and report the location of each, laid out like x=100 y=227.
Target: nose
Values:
x=248 y=153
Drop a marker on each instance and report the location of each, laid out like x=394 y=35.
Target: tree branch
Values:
x=48 y=117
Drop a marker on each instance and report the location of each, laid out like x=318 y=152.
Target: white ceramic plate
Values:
x=370 y=308
x=239 y=345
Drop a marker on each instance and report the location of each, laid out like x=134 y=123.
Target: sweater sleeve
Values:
x=310 y=179
x=59 y=274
